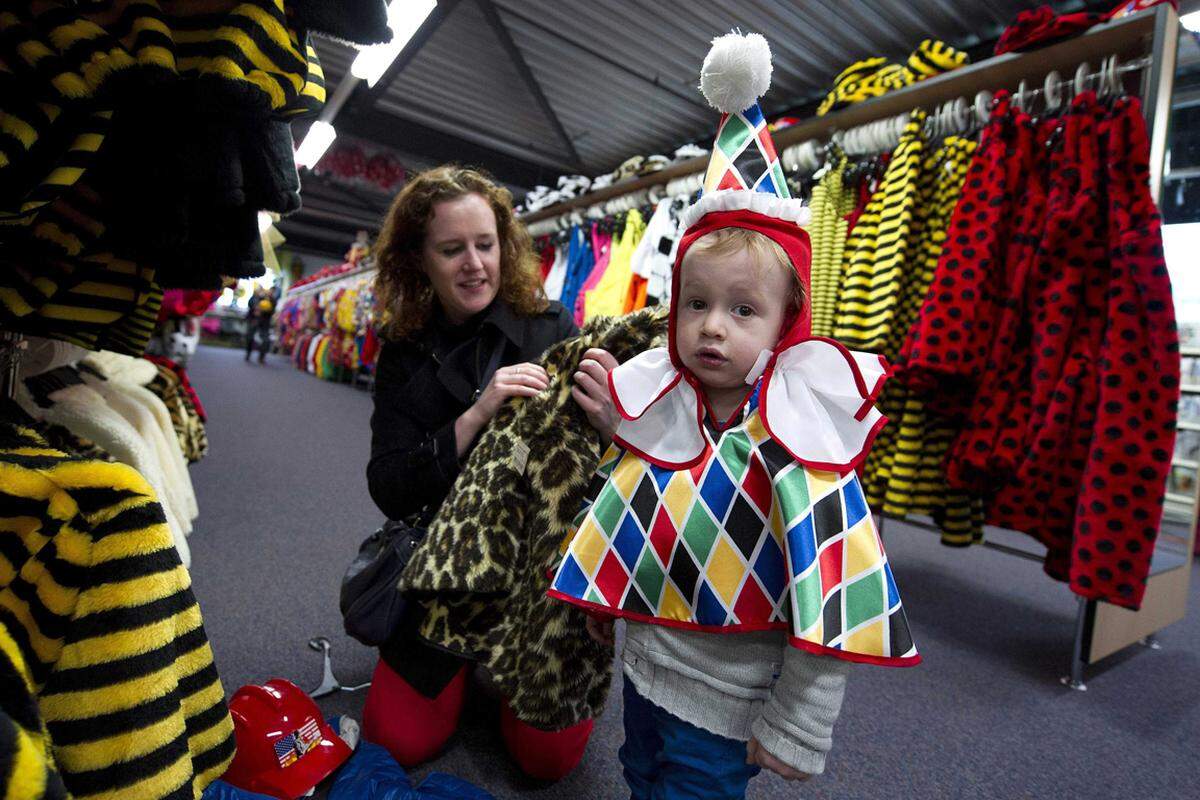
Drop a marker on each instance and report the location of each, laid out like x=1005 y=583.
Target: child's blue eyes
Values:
x=738 y=311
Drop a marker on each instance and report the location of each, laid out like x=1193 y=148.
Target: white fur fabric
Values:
x=789 y=209
x=84 y=411
x=736 y=72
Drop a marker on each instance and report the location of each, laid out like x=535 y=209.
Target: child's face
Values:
x=730 y=309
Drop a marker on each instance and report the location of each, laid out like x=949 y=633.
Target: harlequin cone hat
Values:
x=744 y=186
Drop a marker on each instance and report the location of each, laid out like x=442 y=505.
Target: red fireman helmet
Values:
x=284 y=746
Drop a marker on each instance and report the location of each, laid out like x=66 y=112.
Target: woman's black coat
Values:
x=423 y=384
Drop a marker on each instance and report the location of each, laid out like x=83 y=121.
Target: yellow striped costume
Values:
x=27 y=769
x=877 y=253
x=69 y=74
x=98 y=606
x=888 y=265
x=831 y=201
x=873 y=77
x=906 y=472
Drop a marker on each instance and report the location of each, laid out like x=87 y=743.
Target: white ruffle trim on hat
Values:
x=789 y=209
x=817 y=401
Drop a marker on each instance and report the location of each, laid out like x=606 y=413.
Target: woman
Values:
x=465 y=318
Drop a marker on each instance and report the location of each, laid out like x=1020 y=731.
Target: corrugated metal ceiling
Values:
x=621 y=74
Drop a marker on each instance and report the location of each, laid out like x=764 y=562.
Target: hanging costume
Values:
x=761 y=524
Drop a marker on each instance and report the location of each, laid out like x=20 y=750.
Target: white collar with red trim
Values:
x=816 y=400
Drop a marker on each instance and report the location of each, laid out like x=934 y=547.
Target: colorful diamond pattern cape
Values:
x=744 y=157
x=748 y=538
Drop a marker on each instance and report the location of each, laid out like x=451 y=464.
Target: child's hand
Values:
x=591 y=392
x=601 y=629
x=757 y=754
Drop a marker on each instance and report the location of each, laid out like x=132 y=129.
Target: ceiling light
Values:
x=320 y=135
x=1191 y=21
x=404 y=17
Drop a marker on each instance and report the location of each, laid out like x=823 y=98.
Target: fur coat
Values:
x=485 y=564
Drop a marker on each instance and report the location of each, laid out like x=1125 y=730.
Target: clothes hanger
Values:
x=1052 y=92
x=1081 y=78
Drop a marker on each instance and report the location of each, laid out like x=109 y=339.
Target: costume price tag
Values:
x=520 y=457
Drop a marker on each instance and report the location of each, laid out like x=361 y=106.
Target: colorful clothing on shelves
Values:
x=611 y=294
x=602 y=242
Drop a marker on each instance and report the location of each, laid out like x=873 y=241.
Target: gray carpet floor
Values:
x=284 y=505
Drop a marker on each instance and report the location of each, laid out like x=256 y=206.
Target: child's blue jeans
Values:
x=666 y=758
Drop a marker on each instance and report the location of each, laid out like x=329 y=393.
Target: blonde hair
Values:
x=765 y=250
x=402 y=288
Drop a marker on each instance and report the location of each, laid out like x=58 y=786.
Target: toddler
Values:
x=726 y=524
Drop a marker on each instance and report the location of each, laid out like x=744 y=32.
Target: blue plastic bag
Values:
x=372 y=774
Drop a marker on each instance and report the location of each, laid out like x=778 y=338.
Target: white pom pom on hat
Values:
x=736 y=72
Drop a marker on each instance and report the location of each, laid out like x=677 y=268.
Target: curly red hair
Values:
x=402 y=289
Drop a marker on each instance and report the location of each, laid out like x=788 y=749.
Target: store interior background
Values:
x=534 y=89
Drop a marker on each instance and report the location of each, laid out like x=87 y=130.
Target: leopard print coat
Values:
x=484 y=566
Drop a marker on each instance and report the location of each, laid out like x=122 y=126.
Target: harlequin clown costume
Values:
x=760 y=524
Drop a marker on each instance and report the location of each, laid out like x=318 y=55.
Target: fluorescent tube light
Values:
x=320 y=135
x=1191 y=21
x=404 y=17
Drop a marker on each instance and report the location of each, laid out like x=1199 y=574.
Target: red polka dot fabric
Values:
x=1049 y=336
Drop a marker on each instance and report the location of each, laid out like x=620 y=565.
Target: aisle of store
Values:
x=984 y=716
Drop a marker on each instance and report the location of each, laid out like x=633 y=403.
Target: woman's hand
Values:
x=757 y=754
x=518 y=380
x=591 y=392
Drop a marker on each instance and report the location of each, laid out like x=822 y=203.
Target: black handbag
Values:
x=371 y=602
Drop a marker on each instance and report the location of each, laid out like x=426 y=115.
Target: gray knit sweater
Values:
x=739 y=685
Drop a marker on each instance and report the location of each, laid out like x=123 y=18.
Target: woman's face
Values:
x=462 y=256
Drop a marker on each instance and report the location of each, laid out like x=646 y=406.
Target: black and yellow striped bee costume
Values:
x=138 y=141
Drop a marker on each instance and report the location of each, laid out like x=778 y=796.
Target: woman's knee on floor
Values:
x=414 y=728
x=544 y=755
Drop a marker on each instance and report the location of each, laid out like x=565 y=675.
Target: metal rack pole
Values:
x=12 y=346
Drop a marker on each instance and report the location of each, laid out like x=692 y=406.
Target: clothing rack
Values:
x=1152 y=33
x=12 y=348
x=1144 y=43
x=327 y=282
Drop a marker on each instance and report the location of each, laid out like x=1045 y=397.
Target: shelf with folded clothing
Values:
x=1126 y=38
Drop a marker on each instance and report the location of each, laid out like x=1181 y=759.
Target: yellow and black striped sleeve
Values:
x=100 y=606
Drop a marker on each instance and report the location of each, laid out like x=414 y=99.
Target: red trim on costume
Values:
x=612 y=389
x=860 y=658
x=842 y=469
x=708 y=409
x=657 y=462
x=857 y=658
x=865 y=408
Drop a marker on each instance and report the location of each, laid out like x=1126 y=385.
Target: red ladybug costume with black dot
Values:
x=1067 y=377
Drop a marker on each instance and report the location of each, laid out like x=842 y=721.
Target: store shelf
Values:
x=1188 y=388
x=1183 y=462
x=1182 y=499
x=1184 y=425
x=1191 y=351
